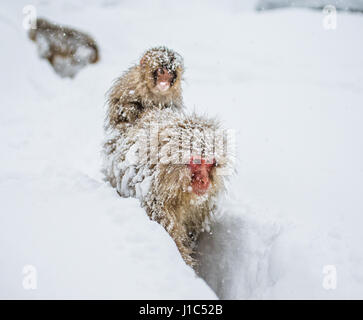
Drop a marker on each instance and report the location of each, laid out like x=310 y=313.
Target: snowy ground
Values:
x=291 y=89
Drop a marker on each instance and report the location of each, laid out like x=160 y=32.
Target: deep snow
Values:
x=291 y=89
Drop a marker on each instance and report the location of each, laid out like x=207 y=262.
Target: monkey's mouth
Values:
x=163 y=86
x=200 y=192
x=200 y=189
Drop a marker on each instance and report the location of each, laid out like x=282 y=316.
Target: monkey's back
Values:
x=67 y=49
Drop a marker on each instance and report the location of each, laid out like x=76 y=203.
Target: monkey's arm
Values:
x=123 y=113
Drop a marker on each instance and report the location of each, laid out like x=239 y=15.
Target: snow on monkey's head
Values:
x=163 y=69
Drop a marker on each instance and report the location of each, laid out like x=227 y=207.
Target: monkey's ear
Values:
x=142 y=61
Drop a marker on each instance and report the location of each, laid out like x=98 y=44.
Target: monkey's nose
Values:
x=204 y=181
x=163 y=85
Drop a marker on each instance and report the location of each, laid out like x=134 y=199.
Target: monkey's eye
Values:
x=174 y=75
x=155 y=75
x=210 y=166
x=211 y=162
x=197 y=161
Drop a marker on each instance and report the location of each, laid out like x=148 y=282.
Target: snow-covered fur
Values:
x=67 y=50
x=150 y=162
x=134 y=92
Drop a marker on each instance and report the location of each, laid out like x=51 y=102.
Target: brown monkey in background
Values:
x=67 y=50
x=153 y=83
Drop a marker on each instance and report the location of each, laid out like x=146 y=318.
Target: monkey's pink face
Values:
x=163 y=80
x=200 y=174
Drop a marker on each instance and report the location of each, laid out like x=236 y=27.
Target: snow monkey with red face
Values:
x=175 y=164
x=155 y=82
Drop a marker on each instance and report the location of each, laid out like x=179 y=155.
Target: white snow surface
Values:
x=292 y=90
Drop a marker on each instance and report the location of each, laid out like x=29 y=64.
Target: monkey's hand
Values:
x=130 y=112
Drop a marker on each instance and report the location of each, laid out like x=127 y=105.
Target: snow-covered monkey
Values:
x=67 y=49
x=172 y=163
x=155 y=82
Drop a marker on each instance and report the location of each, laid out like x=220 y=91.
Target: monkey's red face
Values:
x=163 y=79
x=200 y=174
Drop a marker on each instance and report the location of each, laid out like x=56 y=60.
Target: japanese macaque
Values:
x=155 y=82
x=173 y=163
x=67 y=50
